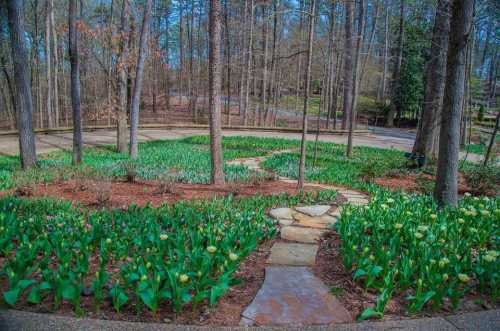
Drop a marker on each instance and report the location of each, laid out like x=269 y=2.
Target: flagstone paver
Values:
x=315 y=210
x=293 y=254
x=321 y=222
x=282 y=213
x=300 y=234
x=294 y=296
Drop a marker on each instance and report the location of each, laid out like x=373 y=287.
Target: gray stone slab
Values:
x=293 y=254
x=319 y=222
x=300 y=234
x=294 y=296
x=358 y=201
x=480 y=321
x=282 y=213
x=314 y=210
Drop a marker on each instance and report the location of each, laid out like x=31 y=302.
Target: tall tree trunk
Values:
x=396 y=88
x=382 y=95
x=370 y=41
x=435 y=75
x=243 y=49
x=446 y=191
x=122 y=68
x=136 y=98
x=263 y=91
x=249 y=66
x=273 y=61
x=299 y=59
x=348 y=64
x=181 y=49
x=56 y=64
x=167 y=55
x=214 y=90
x=356 y=79
x=24 y=103
x=75 y=83
x=307 y=83
x=48 y=57
x=228 y=62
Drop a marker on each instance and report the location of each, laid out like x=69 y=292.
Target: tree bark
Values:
x=24 y=102
x=214 y=90
x=348 y=64
x=263 y=91
x=167 y=55
x=136 y=98
x=383 y=89
x=56 y=64
x=447 y=171
x=122 y=68
x=48 y=57
x=356 y=79
x=492 y=140
x=396 y=103
x=307 y=83
x=75 y=84
x=249 y=65
x=434 y=83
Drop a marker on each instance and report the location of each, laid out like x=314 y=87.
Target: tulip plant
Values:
x=403 y=244
x=174 y=255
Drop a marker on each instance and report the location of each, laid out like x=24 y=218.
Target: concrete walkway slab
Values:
x=294 y=296
x=319 y=222
x=293 y=254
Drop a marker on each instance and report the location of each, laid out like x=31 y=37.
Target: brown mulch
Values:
x=330 y=268
x=410 y=182
x=121 y=194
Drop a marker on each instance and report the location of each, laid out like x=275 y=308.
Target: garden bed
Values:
x=121 y=194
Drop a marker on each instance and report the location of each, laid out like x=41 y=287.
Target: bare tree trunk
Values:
x=396 y=104
x=434 y=83
x=383 y=89
x=136 y=98
x=75 y=84
x=356 y=80
x=307 y=83
x=348 y=64
x=215 y=80
x=24 y=103
x=273 y=61
x=299 y=60
x=56 y=64
x=249 y=65
x=263 y=92
x=371 y=40
x=492 y=140
x=122 y=68
x=446 y=191
x=48 y=56
x=167 y=54
x=181 y=49
x=243 y=58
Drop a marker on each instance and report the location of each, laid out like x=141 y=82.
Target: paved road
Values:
x=386 y=138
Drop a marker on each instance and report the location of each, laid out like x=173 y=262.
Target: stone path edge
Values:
x=20 y=320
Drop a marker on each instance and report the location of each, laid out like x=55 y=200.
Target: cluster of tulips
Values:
x=403 y=244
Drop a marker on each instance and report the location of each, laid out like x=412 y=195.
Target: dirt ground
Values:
x=120 y=194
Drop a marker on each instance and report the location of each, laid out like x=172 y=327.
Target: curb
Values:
x=19 y=320
x=193 y=126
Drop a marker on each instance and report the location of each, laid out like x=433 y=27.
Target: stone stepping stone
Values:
x=358 y=201
x=282 y=213
x=293 y=296
x=319 y=222
x=293 y=254
x=336 y=212
x=314 y=210
x=300 y=234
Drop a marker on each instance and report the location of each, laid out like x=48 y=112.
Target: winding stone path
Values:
x=291 y=294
